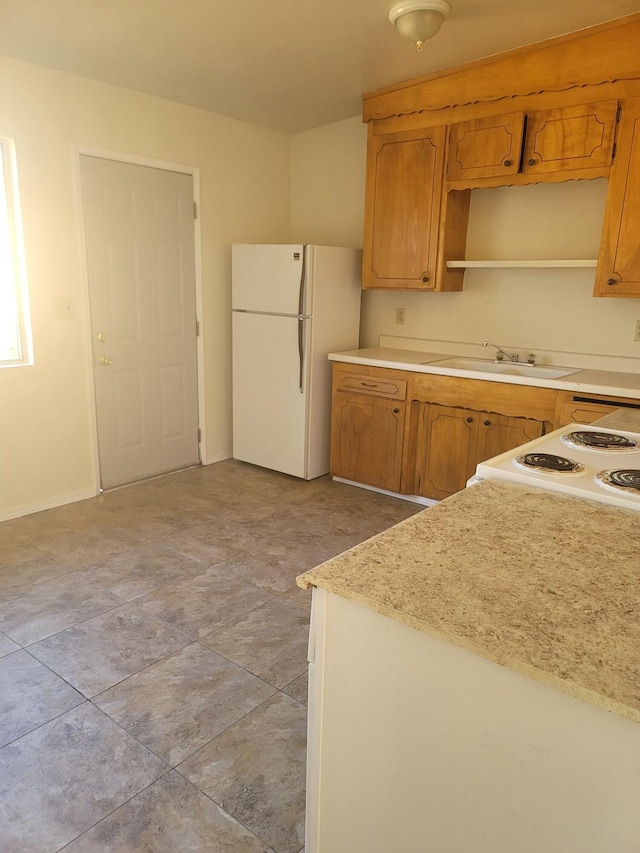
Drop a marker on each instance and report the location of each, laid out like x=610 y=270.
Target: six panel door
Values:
x=141 y=269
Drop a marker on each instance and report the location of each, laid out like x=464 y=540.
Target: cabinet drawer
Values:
x=392 y=389
x=585 y=409
x=582 y=413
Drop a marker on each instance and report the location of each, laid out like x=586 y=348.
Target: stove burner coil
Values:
x=548 y=463
x=583 y=439
x=622 y=479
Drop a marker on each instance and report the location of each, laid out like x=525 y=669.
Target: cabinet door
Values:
x=570 y=138
x=366 y=439
x=582 y=413
x=499 y=433
x=446 y=452
x=485 y=147
x=618 y=272
x=402 y=209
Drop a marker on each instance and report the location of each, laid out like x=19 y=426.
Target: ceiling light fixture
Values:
x=419 y=20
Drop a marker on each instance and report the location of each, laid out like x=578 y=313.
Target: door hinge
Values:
x=613 y=151
x=195 y=209
x=199 y=435
x=618 y=112
x=197 y=328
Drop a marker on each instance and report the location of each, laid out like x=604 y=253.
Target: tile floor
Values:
x=153 y=661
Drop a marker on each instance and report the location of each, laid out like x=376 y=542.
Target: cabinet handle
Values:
x=395 y=411
x=531 y=162
x=507 y=163
x=369 y=384
x=425 y=278
x=487 y=423
x=469 y=420
x=611 y=281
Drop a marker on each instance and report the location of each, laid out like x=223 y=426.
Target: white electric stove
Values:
x=598 y=464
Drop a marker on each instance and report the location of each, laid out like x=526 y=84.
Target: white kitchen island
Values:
x=475 y=681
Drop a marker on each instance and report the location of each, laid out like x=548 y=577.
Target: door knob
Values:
x=104 y=361
x=102 y=337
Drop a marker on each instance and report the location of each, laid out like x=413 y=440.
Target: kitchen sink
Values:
x=510 y=368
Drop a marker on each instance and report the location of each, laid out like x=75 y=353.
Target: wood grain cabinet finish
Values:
x=402 y=209
x=367 y=435
x=452 y=441
x=618 y=272
x=485 y=147
x=570 y=138
x=499 y=433
x=580 y=408
x=446 y=450
x=561 y=140
x=416 y=433
x=582 y=413
x=376 y=386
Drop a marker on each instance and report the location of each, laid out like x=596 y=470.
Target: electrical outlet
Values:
x=636 y=334
x=400 y=317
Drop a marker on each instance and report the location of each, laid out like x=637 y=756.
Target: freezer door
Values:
x=268 y=278
x=269 y=411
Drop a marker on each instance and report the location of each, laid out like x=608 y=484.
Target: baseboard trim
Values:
x=416 y=499
x=50 y=503
x=219 y=457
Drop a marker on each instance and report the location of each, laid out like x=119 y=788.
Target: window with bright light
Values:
x=15 y=333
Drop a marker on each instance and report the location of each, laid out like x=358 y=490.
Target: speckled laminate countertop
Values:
x=545 y=584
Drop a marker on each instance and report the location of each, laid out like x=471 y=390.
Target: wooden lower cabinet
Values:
x=386 y=431
x=452 y=441
x=446 y=450
x=583 y=413
x=499 y=433
x=367 y=435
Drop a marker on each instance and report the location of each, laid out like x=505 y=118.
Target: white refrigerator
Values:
x=291 y=306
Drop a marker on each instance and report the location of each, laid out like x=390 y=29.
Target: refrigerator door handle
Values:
x=303 y=275
x=301 y=352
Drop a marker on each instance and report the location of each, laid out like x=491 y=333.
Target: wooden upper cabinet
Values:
x=402 y=209
x=618 y=272
x=485 y=147
x=516 y=148
x=570 y=138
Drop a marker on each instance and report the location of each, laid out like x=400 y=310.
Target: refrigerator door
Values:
x=270 y=278
x=269 y=411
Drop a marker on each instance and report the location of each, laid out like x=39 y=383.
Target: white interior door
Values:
x=141 y=267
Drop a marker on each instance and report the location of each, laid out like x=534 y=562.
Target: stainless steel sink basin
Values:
x=509 y=368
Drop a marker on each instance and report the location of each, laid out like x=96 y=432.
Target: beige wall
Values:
x=47 y=453
x=327 y=186
x=259 y=186
x=550 y=312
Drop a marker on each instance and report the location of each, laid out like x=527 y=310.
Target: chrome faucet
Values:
x=501 y=353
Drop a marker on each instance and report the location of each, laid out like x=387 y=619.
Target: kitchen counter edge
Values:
x=585 y=380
